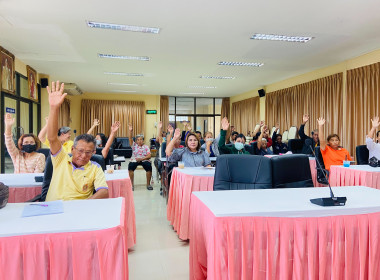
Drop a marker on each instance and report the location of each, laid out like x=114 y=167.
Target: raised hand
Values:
x=170 y=129
x=305 y=118
x=375 y=122
x=115 y=126
x=225 y=124
x=189 y=126
x=177 y=134
x=9 y=120
x=262 y=123
x=56 y=95
x=264 y=128
x=95 y=122
x=159 y=125
x=277 y=126
x=321 y=121
x=130 y=127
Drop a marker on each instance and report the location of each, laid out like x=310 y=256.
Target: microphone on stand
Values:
x=327 y=201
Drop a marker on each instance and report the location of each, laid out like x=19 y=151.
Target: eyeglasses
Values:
x=87 y=153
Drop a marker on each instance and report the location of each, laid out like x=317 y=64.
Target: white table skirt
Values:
x=79 y=215
x=292 y=202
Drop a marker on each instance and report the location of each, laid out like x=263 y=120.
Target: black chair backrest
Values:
x=254 y=148
x=163 y=148
x=249 y=148
x=109 y=159
x=362 y=155
x=100 y=160
x=123 y=142
x=44 y=151
x=295 y=146
x=240 y=172
x=291 y=171
x=320 y=176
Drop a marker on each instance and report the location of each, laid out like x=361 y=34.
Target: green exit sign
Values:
x=151 y=112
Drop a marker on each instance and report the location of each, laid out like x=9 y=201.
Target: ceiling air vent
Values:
x=72 y=89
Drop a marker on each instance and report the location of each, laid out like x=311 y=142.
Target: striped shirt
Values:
x=190 y=159
x=35 y=163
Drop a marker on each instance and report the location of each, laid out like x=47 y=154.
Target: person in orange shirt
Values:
x=332 y=152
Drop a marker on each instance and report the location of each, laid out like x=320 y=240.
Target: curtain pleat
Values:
x=246 y=114
x=225 y=108
x=164 y=111
x=108 y=111
x=318 y=98
x=64 y=114
x=363 y=103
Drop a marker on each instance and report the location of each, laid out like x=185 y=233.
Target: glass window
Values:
x=172 y=105
x=24 y=92
x=35 y=119
x=184 y=106
x=205 y=106
x=24 y=117
x=218 y=106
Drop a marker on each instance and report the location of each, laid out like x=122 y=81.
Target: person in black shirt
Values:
x=312 y=141
x=278 y=146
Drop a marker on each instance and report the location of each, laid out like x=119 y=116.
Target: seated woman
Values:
x=191 y=155
x=278 y=146
x=372 y=146
x=237 y=147
x=332 y=152
x=25 y=159
x=262 y=143
x=210 y=145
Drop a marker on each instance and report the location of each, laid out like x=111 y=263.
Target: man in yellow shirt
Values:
x=64 y=135
x=74 y=177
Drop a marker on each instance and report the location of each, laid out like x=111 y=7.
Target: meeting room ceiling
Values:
x=194 y=36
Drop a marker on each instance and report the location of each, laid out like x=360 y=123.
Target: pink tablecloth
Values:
x=349 y=176
x=266 y=248
x=116 y=188
x=178 y=208
x=313 y=170
x=99 y=254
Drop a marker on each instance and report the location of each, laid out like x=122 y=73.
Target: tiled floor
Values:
x=159 y=253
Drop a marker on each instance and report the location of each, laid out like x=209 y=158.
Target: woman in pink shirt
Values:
x=25 y=159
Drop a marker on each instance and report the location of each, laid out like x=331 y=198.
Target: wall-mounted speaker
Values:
x=261 y=92
x=44 y=82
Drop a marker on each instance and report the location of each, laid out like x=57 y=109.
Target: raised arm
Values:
x=222 y=140
x=9 y=122
x=375 y=124
x=263 y=128
x=171 y=132
x=170 y=146
x=130 y=128
x=43 y=132
x=277 y=129
x=56 y=98
x=159 y=133
x=301 y=131
x=114 y=128
x=322 y=139
x=94 y=124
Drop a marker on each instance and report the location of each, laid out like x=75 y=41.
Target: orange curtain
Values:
x=318 y=98
x=108 y=111
x=64 y=114
x=363 y=103
x=225 y=108
x=245 y=114
x=164 y=111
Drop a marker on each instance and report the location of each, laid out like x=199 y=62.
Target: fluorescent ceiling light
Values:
x=124 y=74
x=122 y=84
x=253 y=64
x=120 y=90
x=273 y=37
x=143 y=58
x=216 y=77
x=193 y=93
x=202 y=87
x=112 y=26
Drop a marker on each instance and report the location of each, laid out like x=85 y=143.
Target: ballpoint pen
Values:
x=43 y=205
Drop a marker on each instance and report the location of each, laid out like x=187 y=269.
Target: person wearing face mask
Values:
x=64 y=135
x=262 y=143
x=210 y=145
x=25 y=159
x=332 y=152
x=237 y=147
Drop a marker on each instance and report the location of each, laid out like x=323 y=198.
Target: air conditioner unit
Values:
x=72 y=89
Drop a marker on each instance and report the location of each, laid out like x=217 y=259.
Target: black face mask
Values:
x=29 y=148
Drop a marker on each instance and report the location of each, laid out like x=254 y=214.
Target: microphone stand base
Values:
x=329 y=201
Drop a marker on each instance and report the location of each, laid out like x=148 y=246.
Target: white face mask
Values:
x=239 y=146
x=98 y=142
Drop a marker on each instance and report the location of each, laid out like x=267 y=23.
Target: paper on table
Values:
x=43 y=208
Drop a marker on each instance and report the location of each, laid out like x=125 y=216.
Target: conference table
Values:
x=355 y=175
x=87 y=241
x=23 y=187
x=278 y=234
x=164 y=159
x=183 y=183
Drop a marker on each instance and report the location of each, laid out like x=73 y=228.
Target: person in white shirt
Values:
x=373 y=146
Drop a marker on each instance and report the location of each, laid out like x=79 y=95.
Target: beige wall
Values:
x=363 y=60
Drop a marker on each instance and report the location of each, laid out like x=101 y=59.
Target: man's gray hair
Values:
x=63 y=130
x=88 y=138
x=140 y=136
